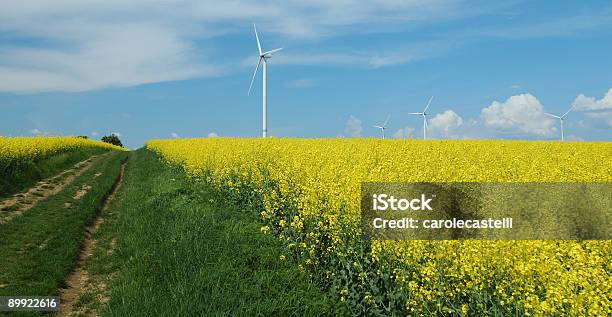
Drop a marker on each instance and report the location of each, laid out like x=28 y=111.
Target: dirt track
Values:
x=78 y=280
x=20 y=203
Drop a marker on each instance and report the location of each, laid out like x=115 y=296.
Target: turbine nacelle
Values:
x=269 y=54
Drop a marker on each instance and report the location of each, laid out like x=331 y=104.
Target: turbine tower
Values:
x=263 y=58
x=424 y=114
x=561 y=119
x=383 y=127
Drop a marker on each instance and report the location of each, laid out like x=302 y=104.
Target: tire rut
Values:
x=18 y=204
x=78 y=281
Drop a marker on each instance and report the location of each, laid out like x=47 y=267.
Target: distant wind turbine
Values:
x=424 y=114
x=383 y=127
x=263 y=57
x=561 y=119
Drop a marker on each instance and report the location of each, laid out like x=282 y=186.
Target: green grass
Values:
x=182 y=250
x=39 y=248
x=18 y=176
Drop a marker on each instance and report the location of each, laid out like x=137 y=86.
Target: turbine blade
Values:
x=253 y=78
x=428 y=103
x=257 y=37
x=570 y=109
x=377 y=126
x=272 y=51
x=419 y=113
x=552 y=115
x=386 y=121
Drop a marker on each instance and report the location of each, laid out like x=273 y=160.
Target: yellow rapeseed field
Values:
x=30 y=148
x=20 y=156
x=309 y=191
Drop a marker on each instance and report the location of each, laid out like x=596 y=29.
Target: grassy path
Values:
x=169 y=247
x=18 y=204
x=40 y=247
x=78 y=282
x=14 y=179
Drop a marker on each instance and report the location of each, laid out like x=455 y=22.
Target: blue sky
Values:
x=160 y=69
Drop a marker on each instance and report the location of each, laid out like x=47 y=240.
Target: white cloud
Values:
x=84 y=45
x=573 y=137
x=404 y=54
x=118 y=55
x=404 y=133
x=174 y=135
x=36 y=131
x=353 y=127
x=445 y=124
x=606 y=117
x=366 y=57
x=599 y=110
x=584 y=103
x=520 y=113
x=212 y=135
x=312 y=58
x=390 y=60
x=301 y=83
x=576 y=23
x=72 y=45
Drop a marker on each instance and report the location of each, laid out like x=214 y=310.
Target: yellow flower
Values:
x=320 y=180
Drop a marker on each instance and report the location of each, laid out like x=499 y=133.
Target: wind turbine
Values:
x=263 y=57
x=561 y=118
x=424 y=114
x=383 y=127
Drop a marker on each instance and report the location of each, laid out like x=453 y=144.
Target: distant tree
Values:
x=112 y=139
x=82 y=136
